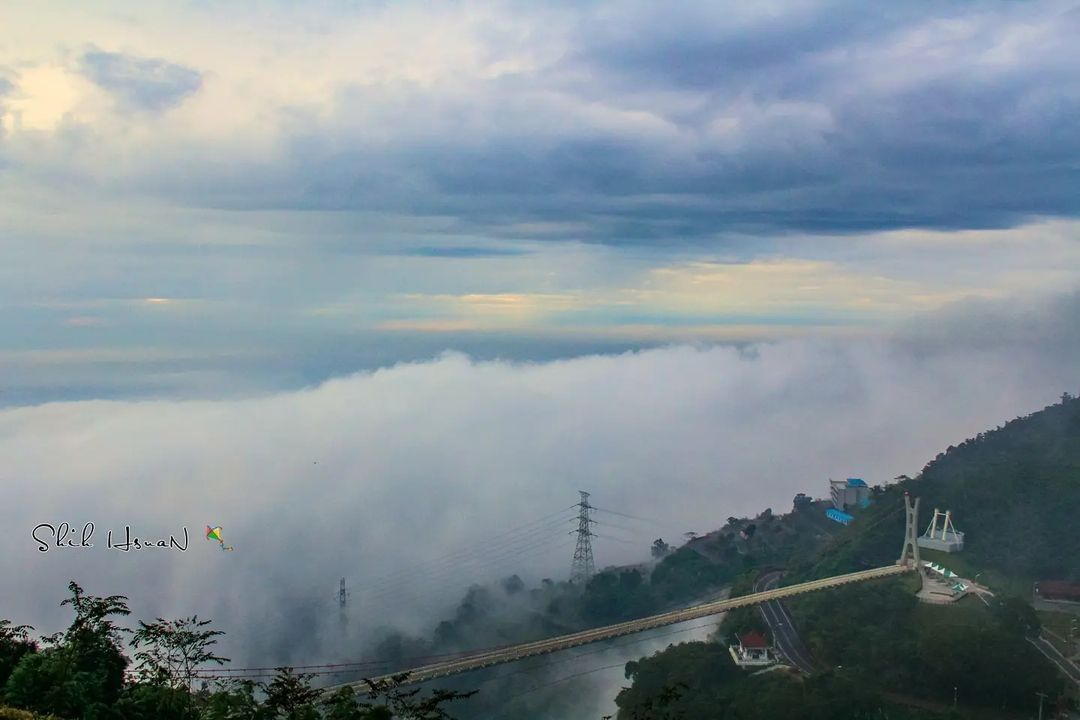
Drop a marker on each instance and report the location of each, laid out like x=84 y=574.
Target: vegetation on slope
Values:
x=1015 y=491
x=699 y=681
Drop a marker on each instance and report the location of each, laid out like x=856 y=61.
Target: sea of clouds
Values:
x=373 y=475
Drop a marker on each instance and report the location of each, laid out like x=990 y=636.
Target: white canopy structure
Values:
x=942 y=534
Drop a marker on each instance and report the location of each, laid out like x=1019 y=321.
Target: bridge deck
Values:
x=498 y=656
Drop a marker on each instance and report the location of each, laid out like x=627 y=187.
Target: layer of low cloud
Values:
x=368 y=475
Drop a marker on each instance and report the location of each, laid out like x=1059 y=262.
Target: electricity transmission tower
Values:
x=343 y=604
x=583 y=566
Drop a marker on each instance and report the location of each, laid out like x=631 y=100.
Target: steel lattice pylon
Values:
x=583 y=566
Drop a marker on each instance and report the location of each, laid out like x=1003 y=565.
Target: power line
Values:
x=612 y=537
x=523 y=546
x=564 y=679
x=468 y=553
x=617 y=527
x=435 y=584
x=471 y=548
x=464 y=566
x=628 y=516
x=471 y=556
x=447 y=583
x=488 y=554
x=351 y=667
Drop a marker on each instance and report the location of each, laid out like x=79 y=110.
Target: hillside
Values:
x=1021 y=480
x=510 y=613
x=1015 y=491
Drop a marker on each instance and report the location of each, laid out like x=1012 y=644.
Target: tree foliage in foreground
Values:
x=84 y=674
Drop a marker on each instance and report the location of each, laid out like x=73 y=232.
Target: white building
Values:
x=850 y=493
x=752 y=650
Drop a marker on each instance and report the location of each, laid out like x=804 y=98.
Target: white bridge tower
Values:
x=909 y=556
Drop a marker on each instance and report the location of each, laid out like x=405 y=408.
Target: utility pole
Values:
x=583 y=566
x=1042 y=696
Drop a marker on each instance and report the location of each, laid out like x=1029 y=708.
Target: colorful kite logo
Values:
x=214 y=533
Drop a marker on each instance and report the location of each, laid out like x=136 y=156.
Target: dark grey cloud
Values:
x=842 y=118
x=148 y=84
x=675 y=125
x=707 y=46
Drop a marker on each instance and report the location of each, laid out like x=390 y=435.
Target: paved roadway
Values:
x=1067 y=667
x=785 y=636
x=498 y=656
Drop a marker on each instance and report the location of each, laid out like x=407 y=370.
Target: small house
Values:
x=752 y=650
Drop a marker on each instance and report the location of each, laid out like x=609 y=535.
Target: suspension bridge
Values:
x=442 y=666
x=565 y=642
x=908 y=562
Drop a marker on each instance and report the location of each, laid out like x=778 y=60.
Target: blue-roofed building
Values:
x=838 y=516
x=849 y=493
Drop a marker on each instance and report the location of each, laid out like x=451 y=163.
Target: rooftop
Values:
x=1059 y=589
x=753 y=640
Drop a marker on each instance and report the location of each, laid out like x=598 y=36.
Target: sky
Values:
x=206 y=198
x=362 y=280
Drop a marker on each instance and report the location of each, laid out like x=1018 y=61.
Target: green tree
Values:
x=154 y=701
x=613 y=596
x=169 y=652
x=15 y=642
x=685 y=681
x=387 y=696
x=234 y=700
x=168 y=655
x=660 y=549
x=81 y=673
x=291 y=697
x=343 y=704
x=1016 y=615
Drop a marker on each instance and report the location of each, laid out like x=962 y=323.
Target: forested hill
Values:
x=1014 y=491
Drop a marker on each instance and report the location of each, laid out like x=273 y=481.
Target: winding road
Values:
x=1068 y=667
x=785 y=636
